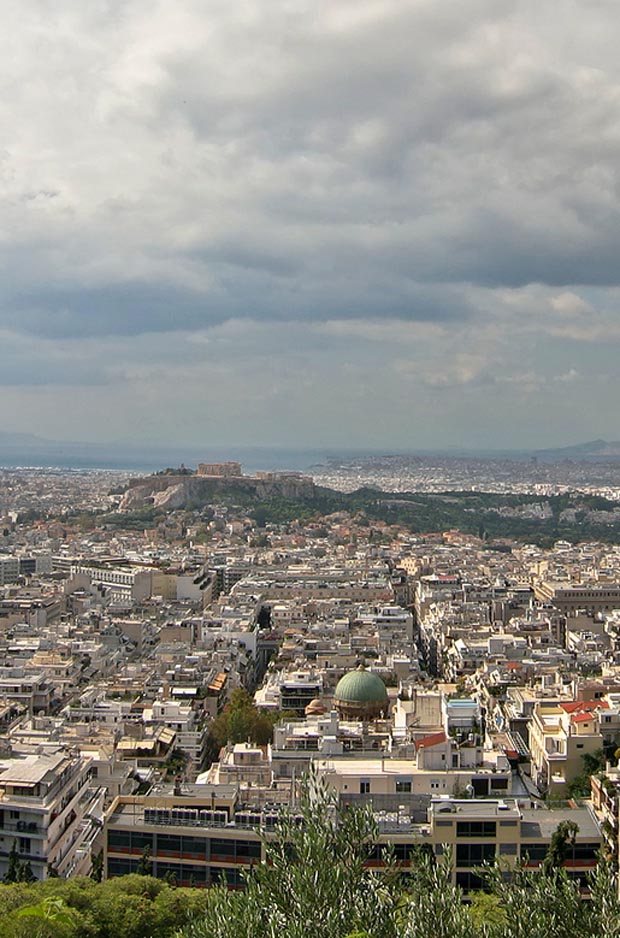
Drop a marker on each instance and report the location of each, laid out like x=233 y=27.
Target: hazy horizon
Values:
x=23 y=451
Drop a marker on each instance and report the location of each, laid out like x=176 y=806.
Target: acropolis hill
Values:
x=170 y=490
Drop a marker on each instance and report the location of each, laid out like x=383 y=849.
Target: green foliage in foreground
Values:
x=315 y=885
x=129 y=907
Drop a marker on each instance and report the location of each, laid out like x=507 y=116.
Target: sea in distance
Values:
x=23 y=450
x=26 y=451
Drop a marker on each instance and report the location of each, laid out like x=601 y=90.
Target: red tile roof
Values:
x=433 y=740
x=583 y=706
x=580 y=717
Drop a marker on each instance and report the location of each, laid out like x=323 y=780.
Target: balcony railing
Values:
x=25 y=828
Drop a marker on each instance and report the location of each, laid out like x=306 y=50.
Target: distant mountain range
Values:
x=595 y=449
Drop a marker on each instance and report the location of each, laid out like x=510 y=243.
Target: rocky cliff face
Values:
x=184 y=491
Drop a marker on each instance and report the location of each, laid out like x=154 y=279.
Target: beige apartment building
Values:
x=570 y=599
x=206 y=835
x=560 y=735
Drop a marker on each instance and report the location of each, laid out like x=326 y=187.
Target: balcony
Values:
x=31 y=828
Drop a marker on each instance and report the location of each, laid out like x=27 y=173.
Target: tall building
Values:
x=50 y=812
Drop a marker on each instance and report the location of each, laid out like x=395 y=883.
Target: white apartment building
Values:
x=124 y=584
x=191 y=733
x=49 y=811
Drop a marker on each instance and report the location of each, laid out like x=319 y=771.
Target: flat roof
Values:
x=32 y=769
x=376 y=766
x=543 y=823
x=473 y=808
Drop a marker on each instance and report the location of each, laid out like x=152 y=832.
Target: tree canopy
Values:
x=239 y=721
x=128 y=907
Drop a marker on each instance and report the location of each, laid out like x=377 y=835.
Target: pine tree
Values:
x=96 y=872
x=25 y=874
x=12 y=873
x=145 y=867
x=563 y=837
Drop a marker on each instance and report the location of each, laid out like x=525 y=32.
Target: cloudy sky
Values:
x=386 y=223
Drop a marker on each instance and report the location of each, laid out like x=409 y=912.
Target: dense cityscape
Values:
x=309 y=469
x=171 y=671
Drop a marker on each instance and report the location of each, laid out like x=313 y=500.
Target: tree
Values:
x=128 y=906
x=538 y=904
x=12 y=873
x=25 y=874
x=434 y=906
x=563 y=836
x=51 y=916
x=145 y=866
x=239 y=721
x=319 y=887
x=96 y=872
x=593 y=762
x=176 y=763
x=314 y=883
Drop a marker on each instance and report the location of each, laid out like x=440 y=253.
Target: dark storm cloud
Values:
x=136 y=308
x=430 y=186
x=277 y=161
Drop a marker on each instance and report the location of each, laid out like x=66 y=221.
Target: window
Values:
x=177 y=870
x=226 y=877
x=193 y=846
x=139 y=840
x=168 y=844
x=475 y=829
x=534 y=852
x=474 y=854
x=583 y=851
x=403 y=851
x=118 y=840
x=249 y=849
x=402 y=785
x=508 y=850
x=469 y=881
x=364 y=788
x=222 y=849
x=120 y=867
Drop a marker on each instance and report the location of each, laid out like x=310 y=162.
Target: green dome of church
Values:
x=361 y=693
